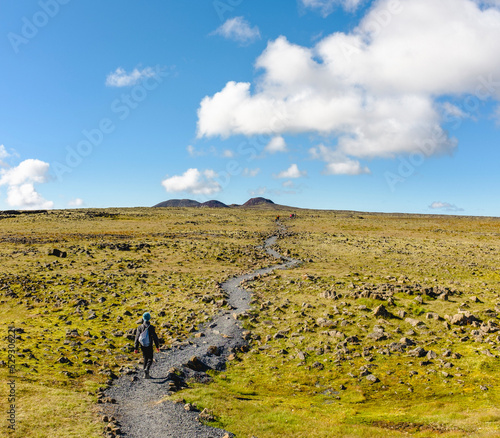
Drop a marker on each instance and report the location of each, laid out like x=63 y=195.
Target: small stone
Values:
x=414 y=322
x=417 y=352
x=213 y=350
x=372 y=378
x=382 y=312
x=431 y=355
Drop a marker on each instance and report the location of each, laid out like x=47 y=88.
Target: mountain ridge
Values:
x=179 y=203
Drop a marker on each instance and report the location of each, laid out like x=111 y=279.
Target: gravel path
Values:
x=139 y=411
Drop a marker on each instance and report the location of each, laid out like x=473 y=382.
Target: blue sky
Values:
x=389 y=105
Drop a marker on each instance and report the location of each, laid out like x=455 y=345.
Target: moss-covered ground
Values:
x=321 y=362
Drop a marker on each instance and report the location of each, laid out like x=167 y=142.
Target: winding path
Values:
x=139 y=409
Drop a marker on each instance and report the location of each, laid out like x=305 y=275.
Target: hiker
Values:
x=145 y=336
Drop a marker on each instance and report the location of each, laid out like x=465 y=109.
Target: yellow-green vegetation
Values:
x=321 y=363
x=328 y=361
x=73 y=312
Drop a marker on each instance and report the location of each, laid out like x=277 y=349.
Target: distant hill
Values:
x=258 y=201
x=251 y=203
x=178 y=203
x=214 y=204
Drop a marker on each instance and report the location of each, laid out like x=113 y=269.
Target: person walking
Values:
x=145 y=336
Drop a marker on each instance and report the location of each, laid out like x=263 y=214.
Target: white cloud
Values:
x=258 y=192
x=25 y=196
x=326 y=7
x=277 y=144
x=3 y=155
x=453 y=111
x=193 y=152
x=77 y=202
x=376 y=89
x=20 y=182
x=251 y=172
x=193 y=181
x=120 y=78
x=227 y=153
x=238 y=29
x=288 y=184
x=292 y=172
x=337 y=163
x=444 y=206
x=28 y=171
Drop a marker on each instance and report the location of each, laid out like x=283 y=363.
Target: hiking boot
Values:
x=146 y=374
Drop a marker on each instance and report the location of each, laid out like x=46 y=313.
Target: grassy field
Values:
x=325 y=361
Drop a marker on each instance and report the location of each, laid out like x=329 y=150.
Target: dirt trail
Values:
x=139 y=410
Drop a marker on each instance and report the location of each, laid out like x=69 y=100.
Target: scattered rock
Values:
x=414 y=322
x=206 y=416
x=57 y=253
x=431 y=355
x=318 y=366
x=190 y=407
x=382 y=312
x=417 y=352
x=372 y=378
x=196 y=364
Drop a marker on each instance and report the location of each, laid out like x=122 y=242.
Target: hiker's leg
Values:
x=148 y=357
x=144 y=356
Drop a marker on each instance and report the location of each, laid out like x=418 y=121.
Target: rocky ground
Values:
x=136 y=407
x=389 y=327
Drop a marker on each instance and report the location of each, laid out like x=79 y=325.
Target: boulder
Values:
x=57 y=253
x=414 y=322
x=417 y=352
x=382 y=312
x=196 y=364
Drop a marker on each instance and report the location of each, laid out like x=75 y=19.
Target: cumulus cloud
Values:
x=445 y=206
x=77 y=202
x=326 y=7
x=336 y=162
x=277 y=144
x=375 y=89
x=292 y=172
x=193 y=181
x=238 y=29
x=20 y=182
x=28 y=171
x=120 y=78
